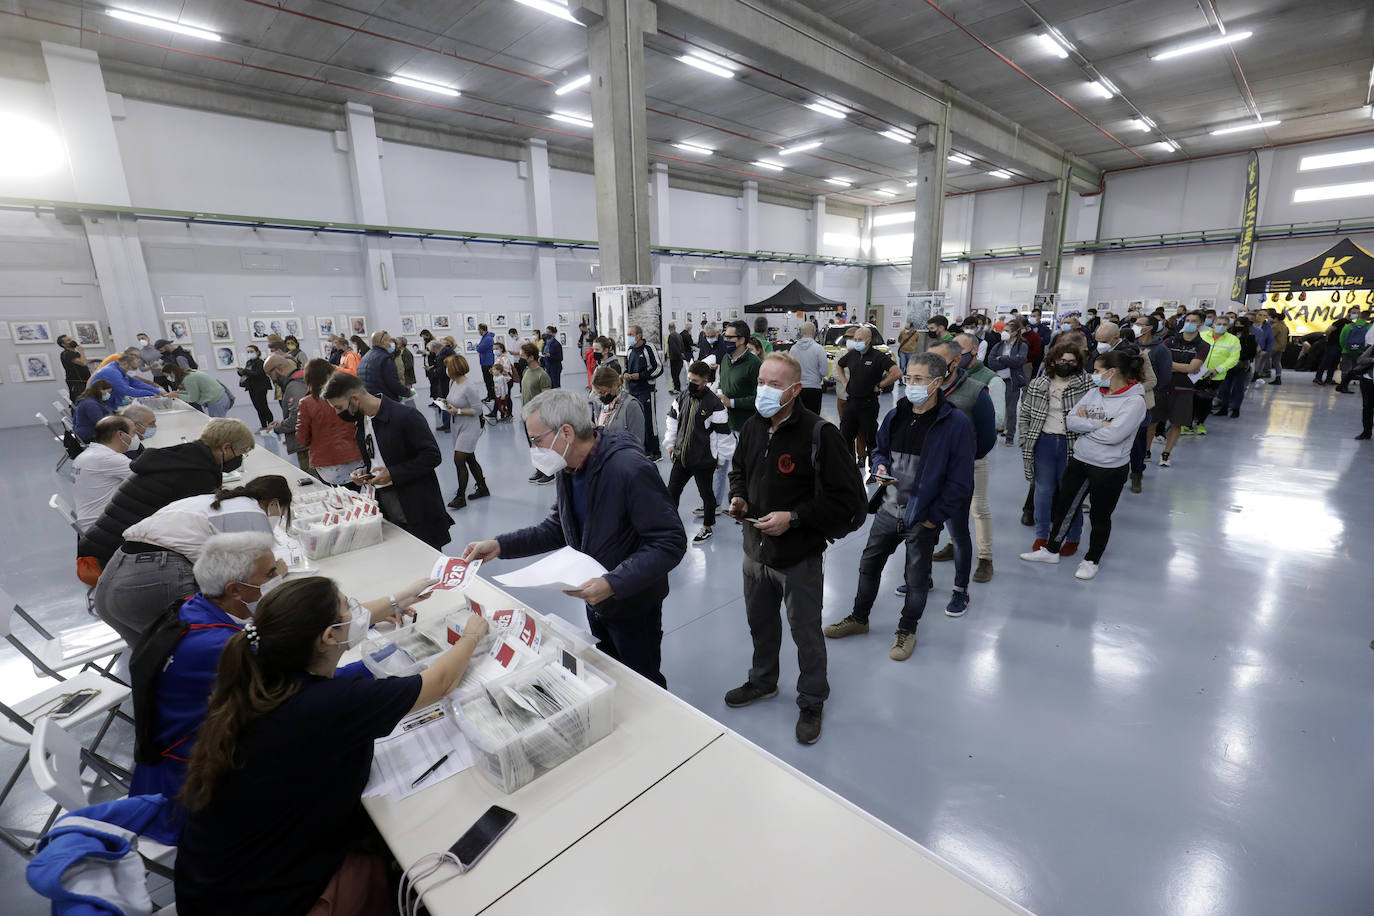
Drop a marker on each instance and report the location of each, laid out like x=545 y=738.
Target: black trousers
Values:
x=491 y=387
x=703 y=475
x=1202 y=400
x=1366 y=403
x=811 y=399
x=259 y=398
x=1079 y=482
x=634 y=639
x=675 y=368
x=860 y=419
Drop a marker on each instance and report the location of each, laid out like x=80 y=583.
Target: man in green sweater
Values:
x=737 y=379
x=1354 y=339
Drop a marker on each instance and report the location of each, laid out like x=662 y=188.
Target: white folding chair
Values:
x=60 y=506
x=63 y=410
x=56 y=760
x=54 y=428
x=75 y=647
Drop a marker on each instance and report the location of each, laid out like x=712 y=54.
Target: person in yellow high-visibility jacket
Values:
x=1221 y=358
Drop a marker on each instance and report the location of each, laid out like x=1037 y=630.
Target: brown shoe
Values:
x=984 y=571
x=944 y=554
x=1069 y=549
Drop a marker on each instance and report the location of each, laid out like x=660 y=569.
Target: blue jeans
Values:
x=219 y=407
x=1051 y=459
x=902 y=360
x=884 y=537
x=957 y=526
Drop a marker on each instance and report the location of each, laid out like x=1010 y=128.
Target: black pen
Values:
x=421 y=778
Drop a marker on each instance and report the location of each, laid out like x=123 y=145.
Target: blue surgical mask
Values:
x=1099 y=380
x=148 y=433
x=857 y=345
x=1190 y=327
x=768 y=401
x=730 y=345
x=391 y=347
x=1207 y=321
x=1065 y=327
x=917 y=394
x=107 y=395
x=1220 y=328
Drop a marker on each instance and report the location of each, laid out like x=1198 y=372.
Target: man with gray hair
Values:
x=145 y=427
x=612 y=505
x=377 y=369
x=815 y=366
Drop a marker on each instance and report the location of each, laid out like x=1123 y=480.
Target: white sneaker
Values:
x=1086 y=570
x=1040 y=556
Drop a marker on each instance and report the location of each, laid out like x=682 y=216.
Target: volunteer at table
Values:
x=275 y=782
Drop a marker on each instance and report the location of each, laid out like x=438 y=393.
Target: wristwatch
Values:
x=794 y=522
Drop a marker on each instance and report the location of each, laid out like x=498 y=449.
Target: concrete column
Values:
x=83 y=112
x=932 y=151
x=817 y=283
x=369 y=206
x=659 y=216
x=750 y=288
x=615 y=50
x=1052 y=237
x=539 y=194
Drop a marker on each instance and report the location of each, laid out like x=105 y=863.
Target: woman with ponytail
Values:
x=1105 y=421
x=275 y=781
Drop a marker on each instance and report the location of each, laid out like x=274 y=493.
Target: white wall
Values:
x=32 y=102
x=433 y=188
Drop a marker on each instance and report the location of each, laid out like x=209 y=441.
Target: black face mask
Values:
x=965 y=360
x=693 y=389
x=607 y=398
x=1064 y=370
x=350 y=415
x=233 y=464
x=598 y=357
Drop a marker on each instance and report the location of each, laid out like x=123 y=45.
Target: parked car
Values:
x=834 y=343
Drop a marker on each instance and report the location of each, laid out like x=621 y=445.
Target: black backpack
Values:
x=838 y=525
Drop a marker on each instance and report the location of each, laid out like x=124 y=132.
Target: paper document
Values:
x=563 y=569
x=422 y=738
x=1194 y=376
x=454 y=573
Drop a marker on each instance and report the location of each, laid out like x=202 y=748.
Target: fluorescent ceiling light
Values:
x=884 y=192
x=1202 y=45
x=799 y=148
x=421 y=84
x=1238 y=128
x=572 y=85
x=1102 y=87
x=693 y=148
x=552 y=7
x=895 y=219
x=30 y=148
x=1333 y=160
x=828 y=108
x=897 y=134
x=1000 y=173
x=840 y=182
x=1167 y=146
x=1140 y=124
x=158 y=22
x=723 y=62
x=912 y=183
x=770 y=166
x=708 y=66
x=569 y=118
x=960 y=159
x=1334 y=192
x=1052 y=43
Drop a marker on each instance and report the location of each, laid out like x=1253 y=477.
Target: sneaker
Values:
x=901 y=589
x=1164 y=460
x=534 y=478
x=1135 y=483
x=1009 y=442
x=1362 y=436
x=809 y=726
x=703 y=535
x=983 y=573
x=747 y=693
x=944 y=554
x=1185 y=431
x=1200 y=429
x=544 y=479
x=1148 y=456
x=1086 y=570
x=849 y=626
x=958 y=603
x=1277 y=381
x=1235 y=413
x=1040 y=556
x=480 y=492
x=1028 y=517
x=903 y=644
x=458 y=502
x=699 y=512
x=1161 y=439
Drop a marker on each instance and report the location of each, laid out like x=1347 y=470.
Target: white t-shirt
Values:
x=1054 y=419
x=99 y=472
x=184 y=525
x=370 y=438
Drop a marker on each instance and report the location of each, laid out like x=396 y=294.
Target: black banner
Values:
x=1249 y=215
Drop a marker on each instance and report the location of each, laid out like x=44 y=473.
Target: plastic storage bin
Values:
x=519 y=758
x=402 y=651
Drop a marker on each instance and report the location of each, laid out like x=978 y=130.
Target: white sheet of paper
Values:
x=403 y=755
x=1194 y=376
x=563 y=569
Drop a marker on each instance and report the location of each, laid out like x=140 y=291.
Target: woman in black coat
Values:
x=255 y=380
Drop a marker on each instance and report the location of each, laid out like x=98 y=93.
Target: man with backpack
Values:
x=924 y=464
x=794 y=486
x=1354 y=338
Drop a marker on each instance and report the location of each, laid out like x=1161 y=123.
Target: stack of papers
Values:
x=563 y=569
x=418 y=742
x=548 y=712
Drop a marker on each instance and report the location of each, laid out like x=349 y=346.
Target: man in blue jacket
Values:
x=924 y=464
x=486 y=358
x=377 y=369
x=613 y=506
x=552 y=357
x=642 y=367
x=124 y=385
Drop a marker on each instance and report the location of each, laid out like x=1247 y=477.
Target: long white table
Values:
x=671 y=813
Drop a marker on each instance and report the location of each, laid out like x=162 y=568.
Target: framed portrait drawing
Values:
x=469 y=345
x=325 y=325
x=36 y=367
x=527 y=321
x=87 y=333
x=258 y=329
x=178 y=330
x=470 y=322
x=292 y=327
x=226 y=357
x=221 y=330
x=408 y=326
x=357 y=324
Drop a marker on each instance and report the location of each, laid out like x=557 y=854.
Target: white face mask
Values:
x=262 y=593
x=1006 y=335
x=547 y=461
x=1103 y=347
x=358 y=622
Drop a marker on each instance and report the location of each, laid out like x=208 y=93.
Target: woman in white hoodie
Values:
x=1106 y=420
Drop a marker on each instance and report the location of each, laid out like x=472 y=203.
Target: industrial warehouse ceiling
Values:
x=1305 y=64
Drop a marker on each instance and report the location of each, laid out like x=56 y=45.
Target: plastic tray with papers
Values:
x=570 y=713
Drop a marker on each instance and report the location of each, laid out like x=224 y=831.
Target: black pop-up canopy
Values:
x=1344 y=265
x=794 y=297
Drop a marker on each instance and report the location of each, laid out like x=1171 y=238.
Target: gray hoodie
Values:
x=815 y=364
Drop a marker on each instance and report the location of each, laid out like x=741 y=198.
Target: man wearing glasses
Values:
x=737 y=380
x=924 y=465
x=613 y=506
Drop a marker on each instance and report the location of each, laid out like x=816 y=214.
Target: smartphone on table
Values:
x=480 y=837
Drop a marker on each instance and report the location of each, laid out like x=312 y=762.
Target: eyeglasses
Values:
x=914 y=380
x=534 y=440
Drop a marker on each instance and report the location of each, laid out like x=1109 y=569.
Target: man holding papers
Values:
x=612 y=506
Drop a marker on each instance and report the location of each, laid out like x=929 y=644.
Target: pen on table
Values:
x=421 y=778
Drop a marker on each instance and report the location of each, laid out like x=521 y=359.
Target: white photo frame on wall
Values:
x=36 y=367
x=31 y=332
x=498 y=320
x=440 y=322
x=357 y=324
x=1104 y=305
x=258 y=329
x=226 y=357
x=293 y=328
x=527 y=321
x=221 y=330
x=87 y=333
x=469 y=345
x=1203 y=302
x=177 y=330
x=470 y=322
x=408 y=326
x=324 y=324
x=565 y=318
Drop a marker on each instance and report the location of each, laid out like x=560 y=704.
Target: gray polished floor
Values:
x=1189 y=733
